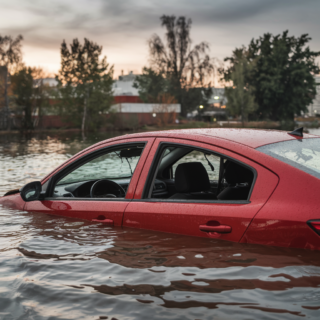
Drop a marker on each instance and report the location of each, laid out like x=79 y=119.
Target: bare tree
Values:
x=185 y=66
x=10 y=59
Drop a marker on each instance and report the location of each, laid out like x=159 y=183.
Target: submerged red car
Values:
x=248 y=186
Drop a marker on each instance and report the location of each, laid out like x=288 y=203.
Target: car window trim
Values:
x=77 y=163
x=86 y=199
x=156 y=162
x=193 y=201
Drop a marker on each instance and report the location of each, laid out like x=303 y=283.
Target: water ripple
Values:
x=61 y=268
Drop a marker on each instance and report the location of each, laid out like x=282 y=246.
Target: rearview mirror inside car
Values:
x=131 y=152
x=31 y=191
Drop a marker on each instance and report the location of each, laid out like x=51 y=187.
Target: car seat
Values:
x=192 y=182
x=239 y=179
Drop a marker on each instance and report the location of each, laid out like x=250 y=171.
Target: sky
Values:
x=123 y=27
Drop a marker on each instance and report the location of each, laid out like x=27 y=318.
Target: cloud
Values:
x=123 y=27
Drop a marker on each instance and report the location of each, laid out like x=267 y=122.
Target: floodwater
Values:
x=59 y=268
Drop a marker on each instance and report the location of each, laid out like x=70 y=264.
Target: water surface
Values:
x=59 y=268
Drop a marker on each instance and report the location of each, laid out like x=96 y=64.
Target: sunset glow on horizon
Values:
x=123 y=29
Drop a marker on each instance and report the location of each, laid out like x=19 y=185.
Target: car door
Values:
x=107 y=210
x=227 y=220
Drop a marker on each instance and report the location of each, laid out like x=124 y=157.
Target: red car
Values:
x=248 y=186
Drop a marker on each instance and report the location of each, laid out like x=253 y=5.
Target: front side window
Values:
x=186 y=173
x=303 y=154
x=105 y=175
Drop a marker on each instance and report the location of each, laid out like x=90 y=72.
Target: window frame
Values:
x=147 y=190
x=81 y=161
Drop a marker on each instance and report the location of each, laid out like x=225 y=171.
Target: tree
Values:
x=85 y=84
x=22 y=83
x=29 y=95
x=282 y=76
x=10 y=59
x=240 y=98
x=41 y=93
x=183 y=67
x=151 y=85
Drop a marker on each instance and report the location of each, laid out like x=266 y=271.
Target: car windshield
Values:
x=303 y=154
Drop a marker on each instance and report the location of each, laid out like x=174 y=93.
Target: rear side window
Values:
x=303 y=154
x=187 y=173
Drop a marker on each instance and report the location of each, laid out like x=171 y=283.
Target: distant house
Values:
x=50 y=82
x=124 y=85
x=218 y=98
x=130 y=107
x=146 y=113
x=216 y=108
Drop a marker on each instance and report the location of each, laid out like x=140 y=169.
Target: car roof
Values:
x=252 y=138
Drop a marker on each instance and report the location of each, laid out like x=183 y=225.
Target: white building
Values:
x=314 y=108
x=152 y=108
x=124 y=85
x=50 y=82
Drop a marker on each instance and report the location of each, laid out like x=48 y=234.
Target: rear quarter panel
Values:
x=282 y=221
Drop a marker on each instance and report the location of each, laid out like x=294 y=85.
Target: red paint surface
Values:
x=252 y=138
x=88 y=210
x=283 y=199
x=13 y=201
x=185 y=218
x=283 y=220
x=316 y=225
x=92 y=209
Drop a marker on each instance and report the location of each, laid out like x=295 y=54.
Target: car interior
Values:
x=105 y=176
x=180 y=173
x=195 y=174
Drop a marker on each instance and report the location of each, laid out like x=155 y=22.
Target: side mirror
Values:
x=31 y=191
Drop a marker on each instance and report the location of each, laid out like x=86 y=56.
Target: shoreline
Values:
x=273 y=125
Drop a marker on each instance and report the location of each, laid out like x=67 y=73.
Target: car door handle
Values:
x=106 y=221
x=218 y=229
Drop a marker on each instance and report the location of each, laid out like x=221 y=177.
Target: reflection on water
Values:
x=60 y=268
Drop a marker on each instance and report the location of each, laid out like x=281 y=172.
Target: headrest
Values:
x=236 y=173
x=191 y=177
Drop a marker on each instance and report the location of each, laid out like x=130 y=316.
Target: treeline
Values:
x=271 y=78
x=83 y=93
x=22 y=89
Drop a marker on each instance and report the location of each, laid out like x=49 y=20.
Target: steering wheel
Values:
x=106 y=189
